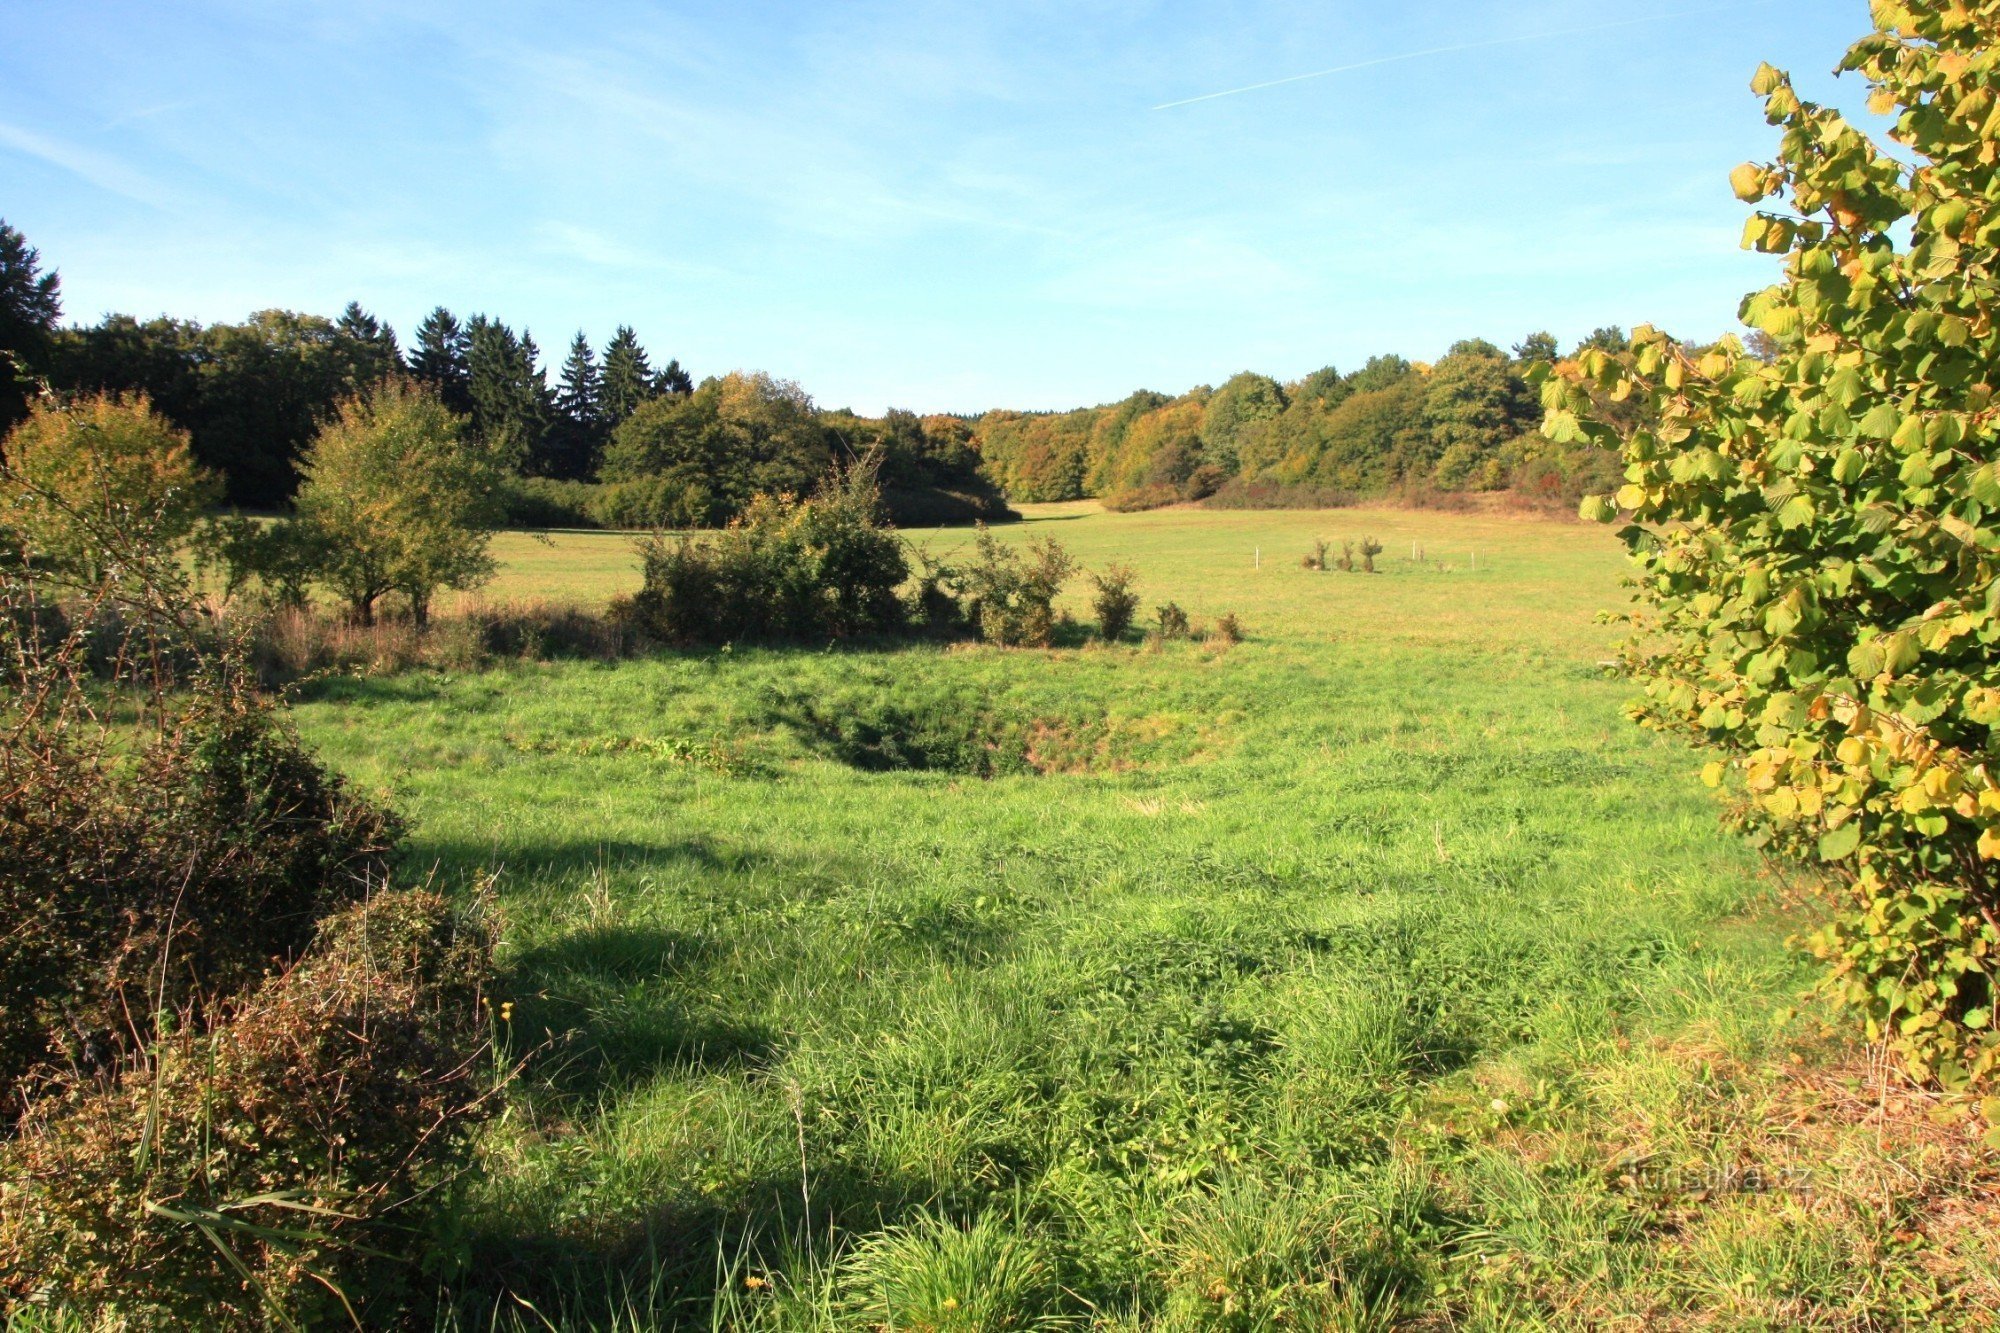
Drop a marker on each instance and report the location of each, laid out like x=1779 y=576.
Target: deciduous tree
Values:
x=1817 y=536
x=400 y=497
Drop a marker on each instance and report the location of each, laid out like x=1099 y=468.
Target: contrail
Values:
x=1466 y=46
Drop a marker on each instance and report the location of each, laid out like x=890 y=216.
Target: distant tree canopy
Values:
x=1469 y=422
x=251 y=395
x=697 y=460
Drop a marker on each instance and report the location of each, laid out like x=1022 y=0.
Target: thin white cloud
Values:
x=1457 y=47
x=148 y=112
x=100 y=169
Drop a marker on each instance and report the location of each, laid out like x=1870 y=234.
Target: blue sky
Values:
x=944 y=206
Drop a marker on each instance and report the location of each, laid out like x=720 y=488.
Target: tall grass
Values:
x=1374 y=970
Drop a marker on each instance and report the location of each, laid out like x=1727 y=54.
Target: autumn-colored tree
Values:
x=80 y=480
x=399 y=497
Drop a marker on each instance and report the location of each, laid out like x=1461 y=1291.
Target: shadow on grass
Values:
x=544 y=861
x=666 y=1268
x=611 y=1007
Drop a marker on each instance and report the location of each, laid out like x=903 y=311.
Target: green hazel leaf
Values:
x=1881 y=421
x=1865 y=659
x=1983 y=484
x=1841 y=842
x=1909 y=434
x=1947 y=217
x=1796 y=512
x=1596 y=509
x=1848 y=465
x=1953 y=331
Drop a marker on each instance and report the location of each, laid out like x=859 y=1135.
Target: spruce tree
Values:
x=371 y=343
x=580 y=405
x=510 y=400
x=30 y=305
x=628 y=376
x=442 y=359
x=673 y=380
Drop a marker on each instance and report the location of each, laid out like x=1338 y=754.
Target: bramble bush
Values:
x=185 y=1140
x=163 y=834
x=1816 y=533
x=265 y=1168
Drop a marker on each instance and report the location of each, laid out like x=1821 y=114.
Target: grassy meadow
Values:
x=1371 y=972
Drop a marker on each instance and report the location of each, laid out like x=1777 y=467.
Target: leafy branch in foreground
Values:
x=1817 y=536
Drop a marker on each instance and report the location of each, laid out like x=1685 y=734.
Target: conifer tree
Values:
x=30 y=305
x=372 y=344
x=510 y=399
x=628 y=376
x=673 y=380
x=441 y=359
x=580 y=409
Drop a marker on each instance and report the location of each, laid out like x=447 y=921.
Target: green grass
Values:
x=1342 y=978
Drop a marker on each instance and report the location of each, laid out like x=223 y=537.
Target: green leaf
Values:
x=1909 y=434
x=1841 y=842
x=1881 y=421
x=1983 y=484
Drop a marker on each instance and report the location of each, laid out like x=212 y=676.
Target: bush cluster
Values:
x=828 y=568
x=802 y=570
x=264 y=1168
x=147 y=871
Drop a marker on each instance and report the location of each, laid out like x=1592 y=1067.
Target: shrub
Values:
x=822 y=568
x=1265 y=493
x=1227 y=630
x=934 y=603
x=147 y=868
x=1011 y=597
x=1115 y=602
x=1315 y=558
x=1814 y=535
x=936 y=507
x=878 y=731
x=1173 y=621
x=277 y=559
x=1135 y=499
x=653 y=502
x=1370 y=548
x=266 y=1169
x=546 y=502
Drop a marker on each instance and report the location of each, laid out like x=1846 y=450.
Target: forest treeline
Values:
x=615 y=439
x=1469 y=422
